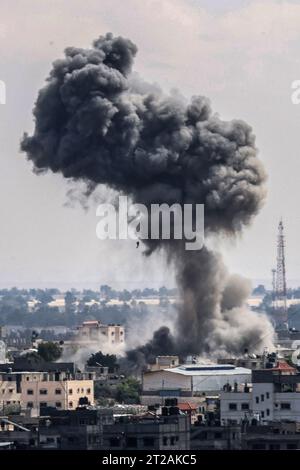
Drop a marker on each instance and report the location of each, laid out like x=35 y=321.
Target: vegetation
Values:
x=49 y=352
x=129 y=391
x=103 y=360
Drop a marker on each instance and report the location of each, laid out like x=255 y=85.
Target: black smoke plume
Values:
x=96 y=122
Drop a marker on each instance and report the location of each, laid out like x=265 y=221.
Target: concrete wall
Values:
x=66 y=393
x=162 y=380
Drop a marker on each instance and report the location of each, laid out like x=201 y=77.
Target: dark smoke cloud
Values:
x=97 y=122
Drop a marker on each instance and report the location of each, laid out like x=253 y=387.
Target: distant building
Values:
x=274 y=436
x=81 y=429
x=149 y=432
x=95 y=332
x=163 y=362
x=273 y=396
x=216 y=438
x=3 y=358
x=2 y=332
x=190 y=382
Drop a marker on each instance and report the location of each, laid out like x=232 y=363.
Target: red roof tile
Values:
x=187 y=407
x=283 y=366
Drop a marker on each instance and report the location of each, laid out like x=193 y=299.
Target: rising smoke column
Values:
x=95 y=122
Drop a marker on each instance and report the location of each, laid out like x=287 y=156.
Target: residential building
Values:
x=273 y=436
x=272 y=396
x=216 y=437
x=96 y=332
x=149 y=432
x=10 y=391
x=36 y=390
x=73 y=430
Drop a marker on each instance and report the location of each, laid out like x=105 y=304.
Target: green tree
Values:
x=49 y=351
x=103 y=360
x=129 y=391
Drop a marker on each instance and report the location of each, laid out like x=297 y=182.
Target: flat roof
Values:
x=208 y=369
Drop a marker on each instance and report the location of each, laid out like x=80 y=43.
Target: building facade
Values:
x=190 y=382
x=273 y=396
x=37 y=390
x=94 y=331
x=148 y=432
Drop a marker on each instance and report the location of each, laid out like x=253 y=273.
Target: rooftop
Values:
x=209 y=369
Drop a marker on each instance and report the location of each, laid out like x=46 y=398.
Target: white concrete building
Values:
x=191 y=382
x=273 y=396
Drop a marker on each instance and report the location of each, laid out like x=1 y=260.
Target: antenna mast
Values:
x=280 y=279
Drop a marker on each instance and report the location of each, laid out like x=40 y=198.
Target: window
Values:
x=274 y=446
x=172 y=440
x=257 y=399
x=268 y=412
x=43 y=391
x=43 y=404
x=131 y=442
x=258 y=446
x=70 y=391
x=58 y=391
x=245 y=406
x=291 y=446
x=285 y=406
x=30 y=404
x=10 y=390
x=232 y=406
x=262 y=397
x=58 y=404
x=29 y=391
x=262 y=414
x=114 y=442
x=268 y=395
x=88 y=391
x=148 y=441
x=165 y=441
x=70 y=404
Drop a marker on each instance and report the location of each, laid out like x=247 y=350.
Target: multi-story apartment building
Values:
x=10 y=390
x=96 y=332
x=148 y=431
x=35 y=390
x=274 y=395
